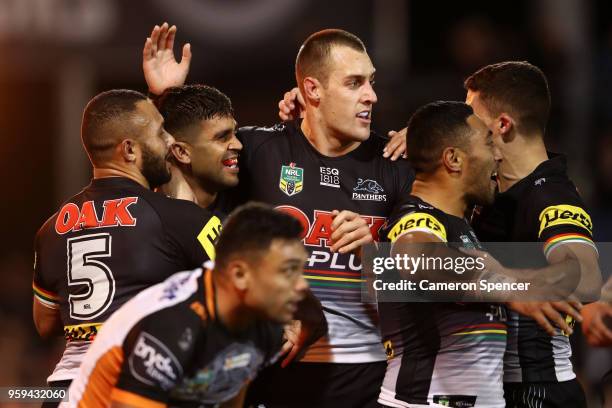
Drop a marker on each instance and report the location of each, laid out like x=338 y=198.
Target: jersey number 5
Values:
x=93 y=279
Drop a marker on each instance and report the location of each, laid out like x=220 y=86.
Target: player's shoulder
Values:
x=168 y=332
x=174 y=209
x=253 y=137
x=415 y=215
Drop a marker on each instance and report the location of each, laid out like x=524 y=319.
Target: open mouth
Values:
x=231 y=163
x=494 y=176
x=365 y=115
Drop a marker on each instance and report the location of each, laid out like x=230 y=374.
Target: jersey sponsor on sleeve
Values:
x=152 y=363
x=417 y=222
x=209 y=235
x=563 y=214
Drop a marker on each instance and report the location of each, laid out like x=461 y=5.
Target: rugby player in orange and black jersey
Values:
x=440 y=353
x=543 y=207
x=105 y=245
x=169 y=346
x=200 y=336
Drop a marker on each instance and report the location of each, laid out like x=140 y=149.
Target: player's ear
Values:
x=128 y=149
x=181 y=152
x=505 y=125
x=453 y=159
x=312 y=90
x=238 y=273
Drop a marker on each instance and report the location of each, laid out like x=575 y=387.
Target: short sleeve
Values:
x=413 y=219
x=560 y=216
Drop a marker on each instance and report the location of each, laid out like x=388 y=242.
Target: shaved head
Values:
x=109 y=118
x=313 y=59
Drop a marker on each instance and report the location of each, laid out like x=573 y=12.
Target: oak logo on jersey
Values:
x=318 y=233
x=368 y=190
x=116 y=214
x=291 y=179
x=564 y=214
x=417 y=222
x=152 y=363
x=209 y=235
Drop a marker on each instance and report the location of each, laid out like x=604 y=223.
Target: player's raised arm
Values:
x=160 y=67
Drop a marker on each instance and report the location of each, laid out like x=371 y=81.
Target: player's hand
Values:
x=161 y=70
x=396 y=146
x=291 y=106
x=597 y=324
x=547 y=314
x=295 y=337
x=349 y=232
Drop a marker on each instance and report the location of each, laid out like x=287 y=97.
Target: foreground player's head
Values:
x=512 y=98
x=335 y=75
x=260 y=255
x=449 y=143
x=122 y=130
x=201 y=119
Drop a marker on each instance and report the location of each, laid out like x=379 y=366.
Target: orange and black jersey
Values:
x=106 y=244
x=167 y=346
x=440 y=353
x=543 y=207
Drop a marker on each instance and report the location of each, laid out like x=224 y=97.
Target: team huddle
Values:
x=207 y=265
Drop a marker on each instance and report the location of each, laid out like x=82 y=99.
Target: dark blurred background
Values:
x=56 y=54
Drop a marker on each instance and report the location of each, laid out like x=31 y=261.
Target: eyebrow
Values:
x=224 y=133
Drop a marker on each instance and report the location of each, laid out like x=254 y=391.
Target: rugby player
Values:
x=444 y=354
x=116 y=237
x=513 y=100
x=537 y=202
x=206 y=149
x=200 y=118
x=328 y=171
x=199 y=337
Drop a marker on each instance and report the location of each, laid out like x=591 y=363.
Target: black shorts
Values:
x=567 y=394
x=318 y=385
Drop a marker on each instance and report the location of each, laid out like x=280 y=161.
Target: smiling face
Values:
x=482 y=161
x=214 y=153
x=347 y=95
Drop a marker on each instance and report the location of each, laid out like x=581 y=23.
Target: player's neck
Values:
x=441 y=195
x=521 y=156
x=229 y=309
x=323 y=139
x=178 y=187
x=109 y=170
x=204 y=195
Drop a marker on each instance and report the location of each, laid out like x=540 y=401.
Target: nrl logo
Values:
x=291 y=179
